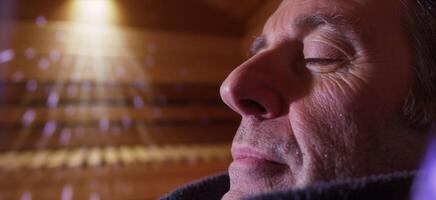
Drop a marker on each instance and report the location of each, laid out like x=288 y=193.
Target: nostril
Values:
x=252 y=107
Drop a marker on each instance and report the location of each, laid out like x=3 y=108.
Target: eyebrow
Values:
x=310 y=22
x=332 y=20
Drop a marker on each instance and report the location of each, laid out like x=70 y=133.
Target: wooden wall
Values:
x=67 y=86
x=85 y=78
x=254 y=25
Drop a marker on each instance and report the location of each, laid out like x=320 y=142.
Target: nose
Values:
x=260 y=87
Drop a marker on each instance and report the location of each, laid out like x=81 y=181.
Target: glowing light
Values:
x=55 y=55
x=67 y=193
x=53 y=99
x=93 y=11
x=6 y=56
x=26 y=196
x=126 y=121
x=28 y=117
x=31 y=85
x=17 y=76
x=138 y=102
x=43 y=63
x=65 y=136
x=94 y=196
x=49 y=128
x=104 y=124
x=30 y=53
x=41 y=21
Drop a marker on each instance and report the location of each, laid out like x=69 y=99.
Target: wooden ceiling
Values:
x=218 y=17
x=241 y=10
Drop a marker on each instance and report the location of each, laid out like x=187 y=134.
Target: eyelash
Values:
x=322 y=61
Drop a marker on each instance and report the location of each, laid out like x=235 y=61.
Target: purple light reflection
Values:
x=55 y=55
x=126 y=121
x=94 y=196
x=30 y=53
x=104 y=124
x=6 y=55
x=41 y=21
x=28 y=117
x=65 y=136
x=26 y=196
x=49 y=128
x=43 y=63
x=17 y=77
x=138 y=102
x=53 y=99
x=31 y=85
x=424 y=187
x=67 y=193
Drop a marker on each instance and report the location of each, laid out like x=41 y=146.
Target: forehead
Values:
x=290 y=13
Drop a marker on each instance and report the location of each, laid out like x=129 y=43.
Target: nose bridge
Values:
x=259 y=87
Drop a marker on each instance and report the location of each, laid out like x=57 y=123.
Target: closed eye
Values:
x=322 y=61
x=324 y=65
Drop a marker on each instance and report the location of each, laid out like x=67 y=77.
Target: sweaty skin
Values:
x=322 y=97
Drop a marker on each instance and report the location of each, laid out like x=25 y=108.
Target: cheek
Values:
x=328 y=125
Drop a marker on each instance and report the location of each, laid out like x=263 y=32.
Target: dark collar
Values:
x=390 y=186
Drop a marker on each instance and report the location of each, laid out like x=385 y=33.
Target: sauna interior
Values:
x=117 y=99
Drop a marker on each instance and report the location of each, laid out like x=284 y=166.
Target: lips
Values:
x=249 y=154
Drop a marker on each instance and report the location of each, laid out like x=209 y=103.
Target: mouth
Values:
x=252 y=158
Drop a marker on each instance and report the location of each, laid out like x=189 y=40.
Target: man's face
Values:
x=322 y=97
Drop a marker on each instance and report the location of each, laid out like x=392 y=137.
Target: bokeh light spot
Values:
x=43 y=63
x=26 y=196
x=41 y=21
x=28 y=117
x=17 y=77
x=49 y=128
x=67 y=193
x=138 y=102
x=65 y=136
x=30 y=53
x=53 y=99
x=6 y=56
x=31 y=85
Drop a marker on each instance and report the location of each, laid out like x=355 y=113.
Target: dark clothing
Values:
x=385 y=187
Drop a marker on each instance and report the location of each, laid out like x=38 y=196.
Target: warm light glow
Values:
x=93 y=11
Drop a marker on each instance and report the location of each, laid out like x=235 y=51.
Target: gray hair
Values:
x=420 y=23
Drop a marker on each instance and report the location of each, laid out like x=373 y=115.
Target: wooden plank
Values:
x=108 y=182
x=210 y=73
x=34 y=93
x=104 y=114
x=145 y=14
x=75 y=137
x=112 y=155
x=72 y=39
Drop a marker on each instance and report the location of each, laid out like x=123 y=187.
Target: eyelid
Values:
x=323 y=50
x=335 y=44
